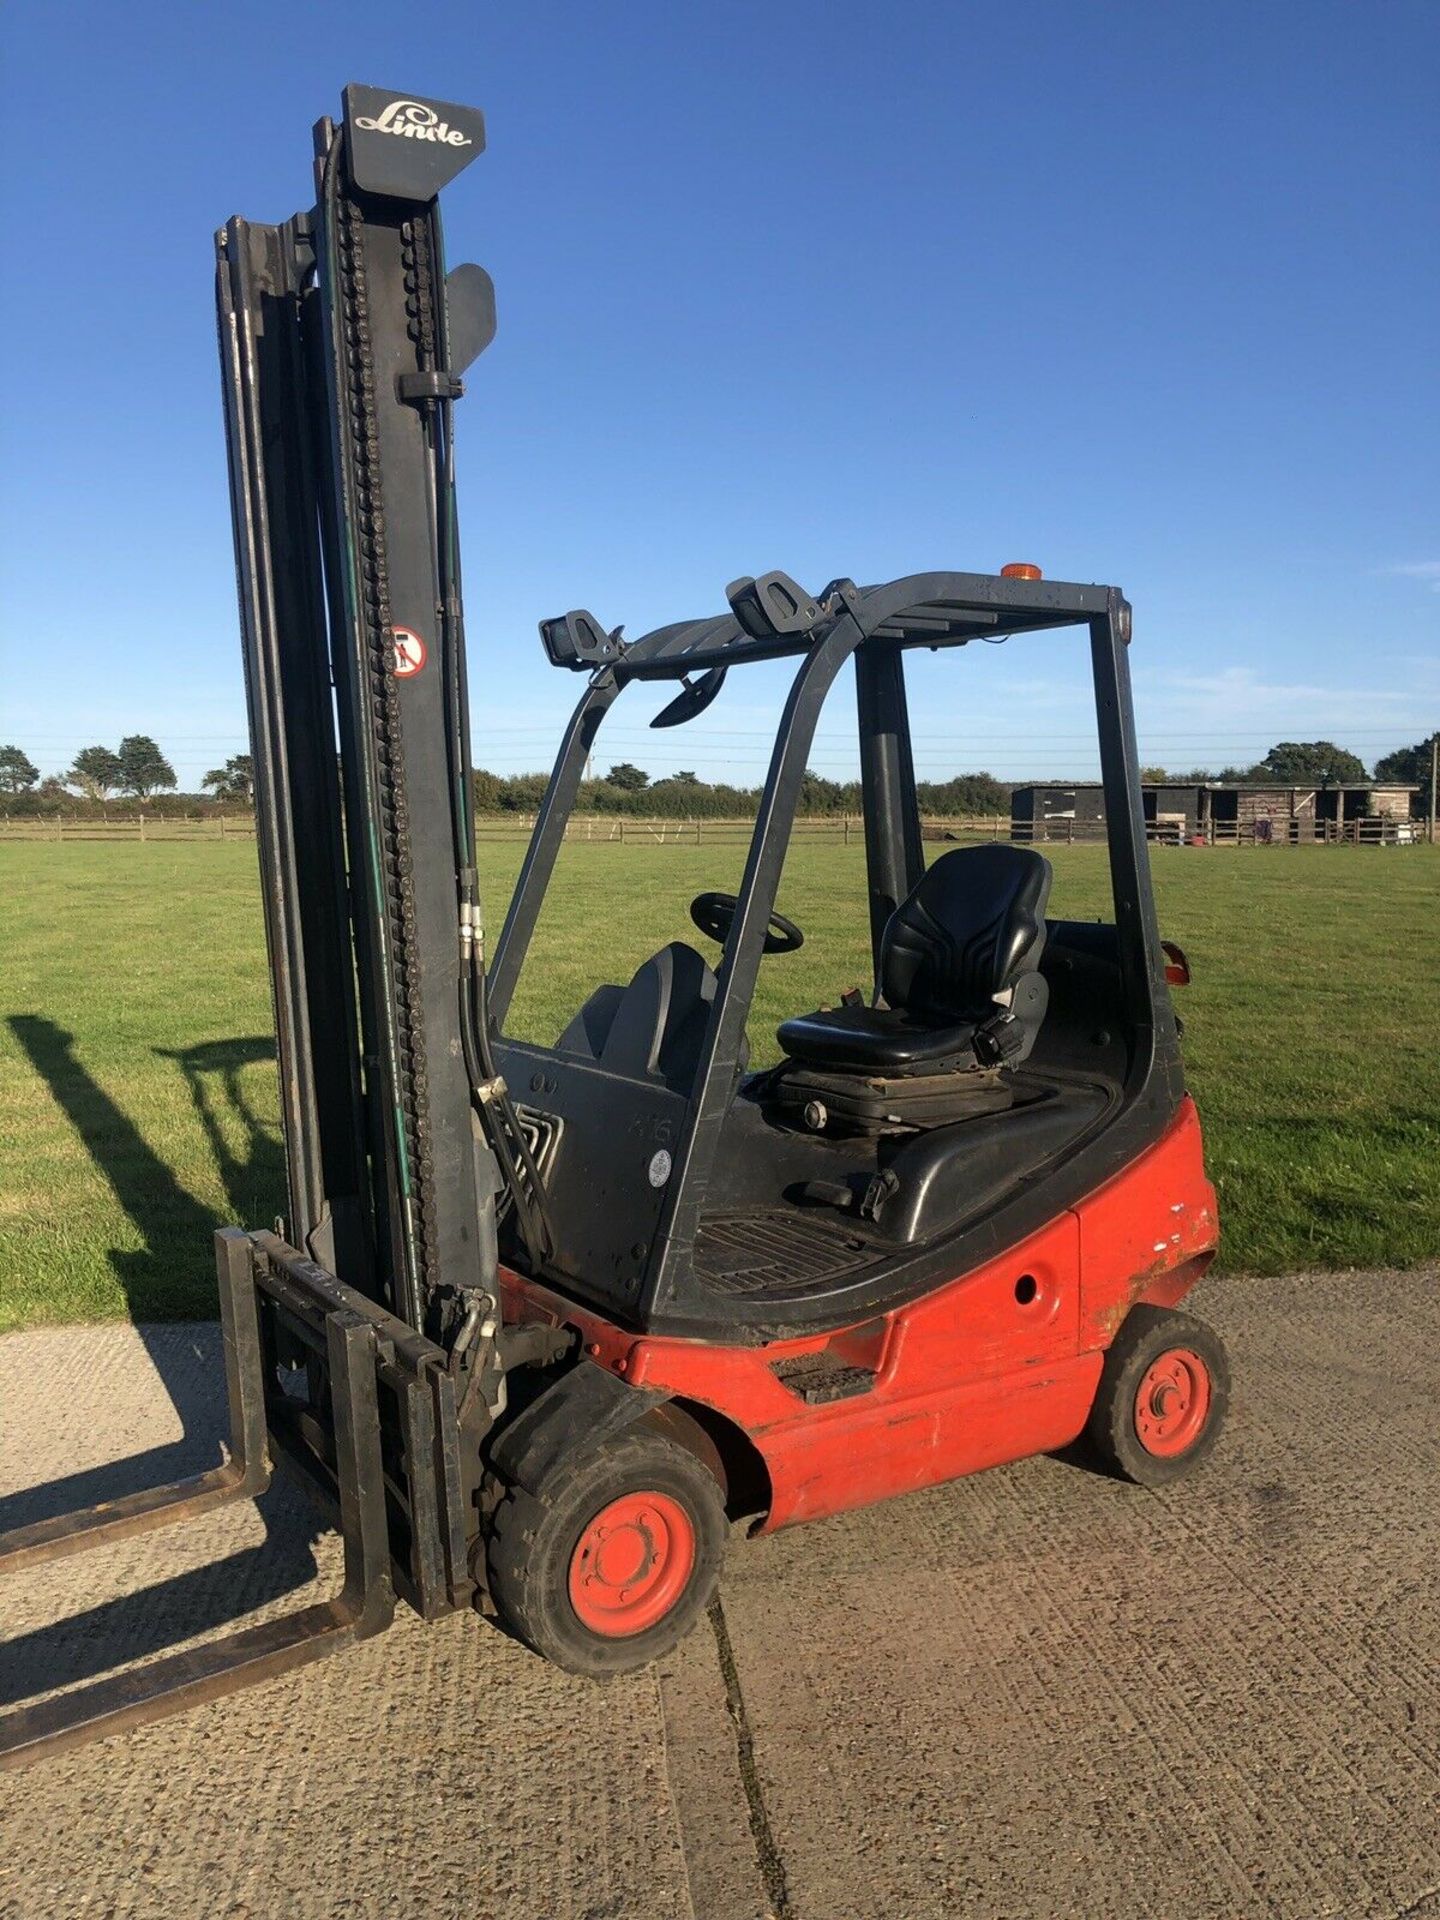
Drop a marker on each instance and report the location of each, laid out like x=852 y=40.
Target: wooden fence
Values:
x=620 y=829
x=843 y=830
x=631 y=830
x=128 y=828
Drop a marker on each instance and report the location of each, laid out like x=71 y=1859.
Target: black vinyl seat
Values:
x=877 y=1040
x=958 y=975
x=654 y=1028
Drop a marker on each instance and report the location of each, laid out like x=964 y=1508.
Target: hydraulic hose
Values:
x=512 y=1150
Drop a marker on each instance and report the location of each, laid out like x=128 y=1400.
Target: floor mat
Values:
x=783 y=1253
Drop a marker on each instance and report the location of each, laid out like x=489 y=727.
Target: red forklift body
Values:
x=993 y=1366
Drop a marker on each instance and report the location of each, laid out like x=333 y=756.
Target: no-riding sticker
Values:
x=410 y=653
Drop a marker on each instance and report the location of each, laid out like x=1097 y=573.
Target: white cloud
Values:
x=1239 y=692
x=1428 y=570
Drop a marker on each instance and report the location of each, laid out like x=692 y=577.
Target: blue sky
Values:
x=1145 y=294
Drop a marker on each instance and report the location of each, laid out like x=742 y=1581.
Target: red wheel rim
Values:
x=1172 y=1403
x=631 y=1564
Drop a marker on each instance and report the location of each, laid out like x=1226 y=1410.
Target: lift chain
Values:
x=383 y=706
x=417 y=264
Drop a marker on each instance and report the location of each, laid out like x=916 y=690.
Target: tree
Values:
x=686 y=778
x=96 y=771
x=1154 y=776
x=18 y=772
x=819 y=795
x=523 y=792
x=1306 y=763
x=964 y=797
x=234 y=781
x=488 y=789
x=143 y=768
x=1407 y=764
x=629 y=779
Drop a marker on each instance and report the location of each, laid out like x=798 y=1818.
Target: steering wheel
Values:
x=713 y=913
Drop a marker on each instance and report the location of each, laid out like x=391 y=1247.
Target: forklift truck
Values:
x=542 y=1322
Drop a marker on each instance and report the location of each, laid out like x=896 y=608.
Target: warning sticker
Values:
x=410 y=655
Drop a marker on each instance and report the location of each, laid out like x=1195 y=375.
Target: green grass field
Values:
x=137 y=1097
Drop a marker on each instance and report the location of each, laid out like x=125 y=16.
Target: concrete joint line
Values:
x=767 y=1853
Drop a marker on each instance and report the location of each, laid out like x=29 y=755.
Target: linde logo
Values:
x=409 y=120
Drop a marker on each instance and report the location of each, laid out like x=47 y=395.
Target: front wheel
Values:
x=612 y=1559
x=1162 y=1397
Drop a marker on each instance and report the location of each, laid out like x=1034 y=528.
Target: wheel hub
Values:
x=1172 y=1403
x=631 y=1564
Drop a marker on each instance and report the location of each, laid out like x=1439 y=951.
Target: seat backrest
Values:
x=654 y=1028
x=972 y=926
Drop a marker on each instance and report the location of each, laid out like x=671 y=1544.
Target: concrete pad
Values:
x=1038 y=1692
x=441 y=1770
x=1034 y=1693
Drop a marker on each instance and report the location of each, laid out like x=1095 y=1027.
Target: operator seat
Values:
x=654 y=1028
x=961 y=1001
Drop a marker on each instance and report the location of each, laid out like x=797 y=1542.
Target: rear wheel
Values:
x=610 y=1561
x=1162 y=1397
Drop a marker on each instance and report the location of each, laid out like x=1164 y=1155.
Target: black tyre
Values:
x=615 y=1556
x=1162 y=1397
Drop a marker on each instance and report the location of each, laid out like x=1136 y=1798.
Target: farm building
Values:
x=1212 y=810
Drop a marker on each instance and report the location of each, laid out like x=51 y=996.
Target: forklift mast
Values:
x=342 y=342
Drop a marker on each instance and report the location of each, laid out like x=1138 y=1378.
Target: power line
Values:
x=767 y=733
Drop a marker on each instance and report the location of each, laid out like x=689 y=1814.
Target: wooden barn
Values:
x=1215 y=811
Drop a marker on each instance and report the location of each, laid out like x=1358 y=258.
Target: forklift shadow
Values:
x=1079 y=1455
x=178 y=1233
x=254 y=1177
